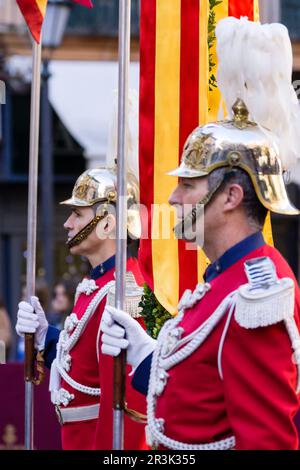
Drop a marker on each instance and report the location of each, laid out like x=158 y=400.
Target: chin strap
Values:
x=84 y=233
x=187 y=222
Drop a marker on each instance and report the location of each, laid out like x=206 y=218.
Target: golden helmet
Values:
x=238 y=143
x=100 y=185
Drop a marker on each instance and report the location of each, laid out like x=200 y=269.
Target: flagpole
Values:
x=120 y=361
x=31 y=235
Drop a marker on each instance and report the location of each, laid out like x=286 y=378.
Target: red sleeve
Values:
x=260 y=381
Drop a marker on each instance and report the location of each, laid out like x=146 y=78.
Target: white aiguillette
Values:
x=265 y=300
x=133 y=295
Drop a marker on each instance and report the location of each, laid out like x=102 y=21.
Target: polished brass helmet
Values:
x=238 y=143
x=100 y=185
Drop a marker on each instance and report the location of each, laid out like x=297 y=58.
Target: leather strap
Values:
x=192 y=216
x=84 y=233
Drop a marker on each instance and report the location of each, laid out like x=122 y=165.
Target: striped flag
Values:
x=175 y=71
x=34 y=12
x=173 y=101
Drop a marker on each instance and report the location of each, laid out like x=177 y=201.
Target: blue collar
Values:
x=233 y=255
x=102 y=268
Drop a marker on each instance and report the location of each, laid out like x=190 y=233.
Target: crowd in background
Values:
x=57 y=307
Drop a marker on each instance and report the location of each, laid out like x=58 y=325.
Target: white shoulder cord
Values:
x=293 y=333
x=87 y=315
x=66 y=342
x=223 y=339
x=170 y=358
x=166 y=355
x=273 y=303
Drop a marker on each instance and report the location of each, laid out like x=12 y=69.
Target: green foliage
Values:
x=211 y=37
x=154 y=314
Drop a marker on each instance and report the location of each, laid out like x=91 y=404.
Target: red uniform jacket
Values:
x=256 y=401
x=85 y=369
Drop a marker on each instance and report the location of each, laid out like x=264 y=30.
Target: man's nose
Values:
x=68 y=223
x=175 y=197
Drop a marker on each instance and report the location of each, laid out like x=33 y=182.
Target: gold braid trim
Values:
x=84 y=233
x=192 y=216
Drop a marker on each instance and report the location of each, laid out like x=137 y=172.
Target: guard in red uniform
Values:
x=81 y=380
x=225 y=372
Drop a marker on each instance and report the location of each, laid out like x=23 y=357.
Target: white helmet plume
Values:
x=255 y=64
x=132 y=161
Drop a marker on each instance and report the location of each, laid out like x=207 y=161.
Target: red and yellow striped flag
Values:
x=34 y=12
x=174 y=99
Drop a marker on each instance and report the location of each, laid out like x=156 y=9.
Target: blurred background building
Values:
x=78 y=82
x=79 y=79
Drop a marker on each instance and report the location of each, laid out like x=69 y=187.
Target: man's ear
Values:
x=234 y=197
x=106 y=228
x=109 y=224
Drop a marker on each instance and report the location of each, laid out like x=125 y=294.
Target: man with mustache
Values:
x=225 y=372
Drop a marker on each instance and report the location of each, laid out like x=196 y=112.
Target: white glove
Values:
x=115 y=326
x=31 y=318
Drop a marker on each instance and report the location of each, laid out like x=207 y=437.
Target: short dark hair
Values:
x=254 y=209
